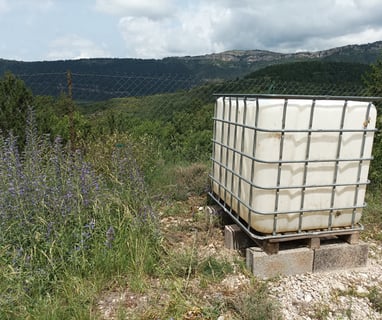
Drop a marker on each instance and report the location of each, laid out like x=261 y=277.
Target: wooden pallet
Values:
x=273 y=245
x=311 y=239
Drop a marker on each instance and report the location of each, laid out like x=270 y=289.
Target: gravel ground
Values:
x=332 y=295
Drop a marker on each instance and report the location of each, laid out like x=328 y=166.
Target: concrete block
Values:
x=340 y=256
x=235 y=238
x=286 y=262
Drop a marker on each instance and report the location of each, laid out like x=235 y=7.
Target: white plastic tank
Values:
x=292 y=164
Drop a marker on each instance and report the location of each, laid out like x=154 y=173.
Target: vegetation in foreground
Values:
x=76 y=232
x=65 y=225
x=109 y=224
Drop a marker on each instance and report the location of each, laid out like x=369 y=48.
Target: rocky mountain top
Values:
x=369 y=52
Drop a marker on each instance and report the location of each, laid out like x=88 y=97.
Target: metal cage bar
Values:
x=230 y=152
x=336 y=166
x=285 y=212
x=253 y=161
x=365 y=124
x=240 y=180
x=293 y=161
x=303 y=189
x=258 y=236
x=296 y=96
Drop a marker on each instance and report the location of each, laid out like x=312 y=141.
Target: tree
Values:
x=15 y=98
x=373 y=79
x=373 y=82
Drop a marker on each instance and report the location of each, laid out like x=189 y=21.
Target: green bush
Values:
x=62 y=220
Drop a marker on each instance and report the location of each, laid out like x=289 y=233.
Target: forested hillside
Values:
x=314 y=71
x=100 y=79
x=181 y=123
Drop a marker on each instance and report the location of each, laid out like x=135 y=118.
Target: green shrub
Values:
x=61 y=220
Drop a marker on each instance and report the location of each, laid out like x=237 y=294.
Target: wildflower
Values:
x=49 y=230
x=109 y=236
x=91 y=224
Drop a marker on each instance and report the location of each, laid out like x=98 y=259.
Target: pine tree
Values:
x=15 y=98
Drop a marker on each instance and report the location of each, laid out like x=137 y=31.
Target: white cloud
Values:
x=190 y=33
x=288 y=25
x=136 y=8
x=365 y=36
x=160 y=28
x=197 y=27
x=75 y=47
x=144 y=37
x=32 y=5
x=42 y=5
x=4 y=6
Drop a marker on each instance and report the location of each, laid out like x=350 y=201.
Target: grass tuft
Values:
x=375 y=298
x=372 y=215
x=255 y=304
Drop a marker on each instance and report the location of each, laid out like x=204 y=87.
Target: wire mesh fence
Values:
x=182 y=104
x=99 y=87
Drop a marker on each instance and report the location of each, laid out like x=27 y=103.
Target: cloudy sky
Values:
x=32 y=30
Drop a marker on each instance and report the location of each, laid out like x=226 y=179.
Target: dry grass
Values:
x=198 y=277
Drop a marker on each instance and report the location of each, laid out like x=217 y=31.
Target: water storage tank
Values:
x=288 y=164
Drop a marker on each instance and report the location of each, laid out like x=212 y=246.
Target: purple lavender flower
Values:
x=49 y=230
x=110 y=233
x=90 y=225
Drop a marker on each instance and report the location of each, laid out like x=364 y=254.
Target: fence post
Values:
x=72 y=132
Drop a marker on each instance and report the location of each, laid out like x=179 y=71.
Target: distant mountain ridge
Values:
x=364 y=53
x=236 y=63
x=99 y=75
x=250 y=59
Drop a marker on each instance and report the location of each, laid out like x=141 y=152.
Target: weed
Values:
x=375 y=297
x=215 y=269
x=207 y=218
x=181 y=264
x=255 y=304
x=181 y=181
x=372 y=215
x=321 y=311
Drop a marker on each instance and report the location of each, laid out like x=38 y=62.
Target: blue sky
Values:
x=33 y=30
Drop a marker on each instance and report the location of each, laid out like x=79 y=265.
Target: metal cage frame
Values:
x=237 y=152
